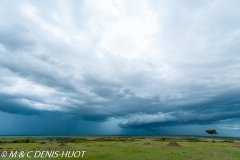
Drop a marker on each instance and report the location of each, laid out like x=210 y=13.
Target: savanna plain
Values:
x=120 y=148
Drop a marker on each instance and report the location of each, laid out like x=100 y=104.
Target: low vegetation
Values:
x=228 y=141
x=128 y=148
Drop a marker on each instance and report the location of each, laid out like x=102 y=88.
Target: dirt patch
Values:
x=62 y=144
x=147 y=143
x=43 y=143
x=173 y=144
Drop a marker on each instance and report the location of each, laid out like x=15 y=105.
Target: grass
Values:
x=127 y=148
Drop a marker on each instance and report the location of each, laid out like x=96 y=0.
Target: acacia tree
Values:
x=212 y=132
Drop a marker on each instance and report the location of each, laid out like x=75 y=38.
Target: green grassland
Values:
x=125 y=148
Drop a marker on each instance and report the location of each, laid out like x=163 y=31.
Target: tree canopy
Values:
x=211 y=131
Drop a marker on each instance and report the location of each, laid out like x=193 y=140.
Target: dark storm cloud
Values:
x=222 y=107
x=16 y=37
x=7 y=104
x=176 y=65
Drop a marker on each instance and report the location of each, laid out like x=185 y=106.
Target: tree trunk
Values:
x=213 y=137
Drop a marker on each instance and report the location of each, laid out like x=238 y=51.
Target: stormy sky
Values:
x=127 y=67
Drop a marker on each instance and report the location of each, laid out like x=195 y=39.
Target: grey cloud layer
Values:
x=222 y=107
x=154 y=63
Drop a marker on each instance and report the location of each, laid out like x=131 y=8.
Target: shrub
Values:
x=228 y=141
x=27 y=140
x=196 y=140
x=161 y=139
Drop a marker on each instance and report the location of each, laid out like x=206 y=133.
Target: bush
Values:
x=196 y=140
x=27 y=140
x=161 y=139
x=228 y=141
x=102 y=139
